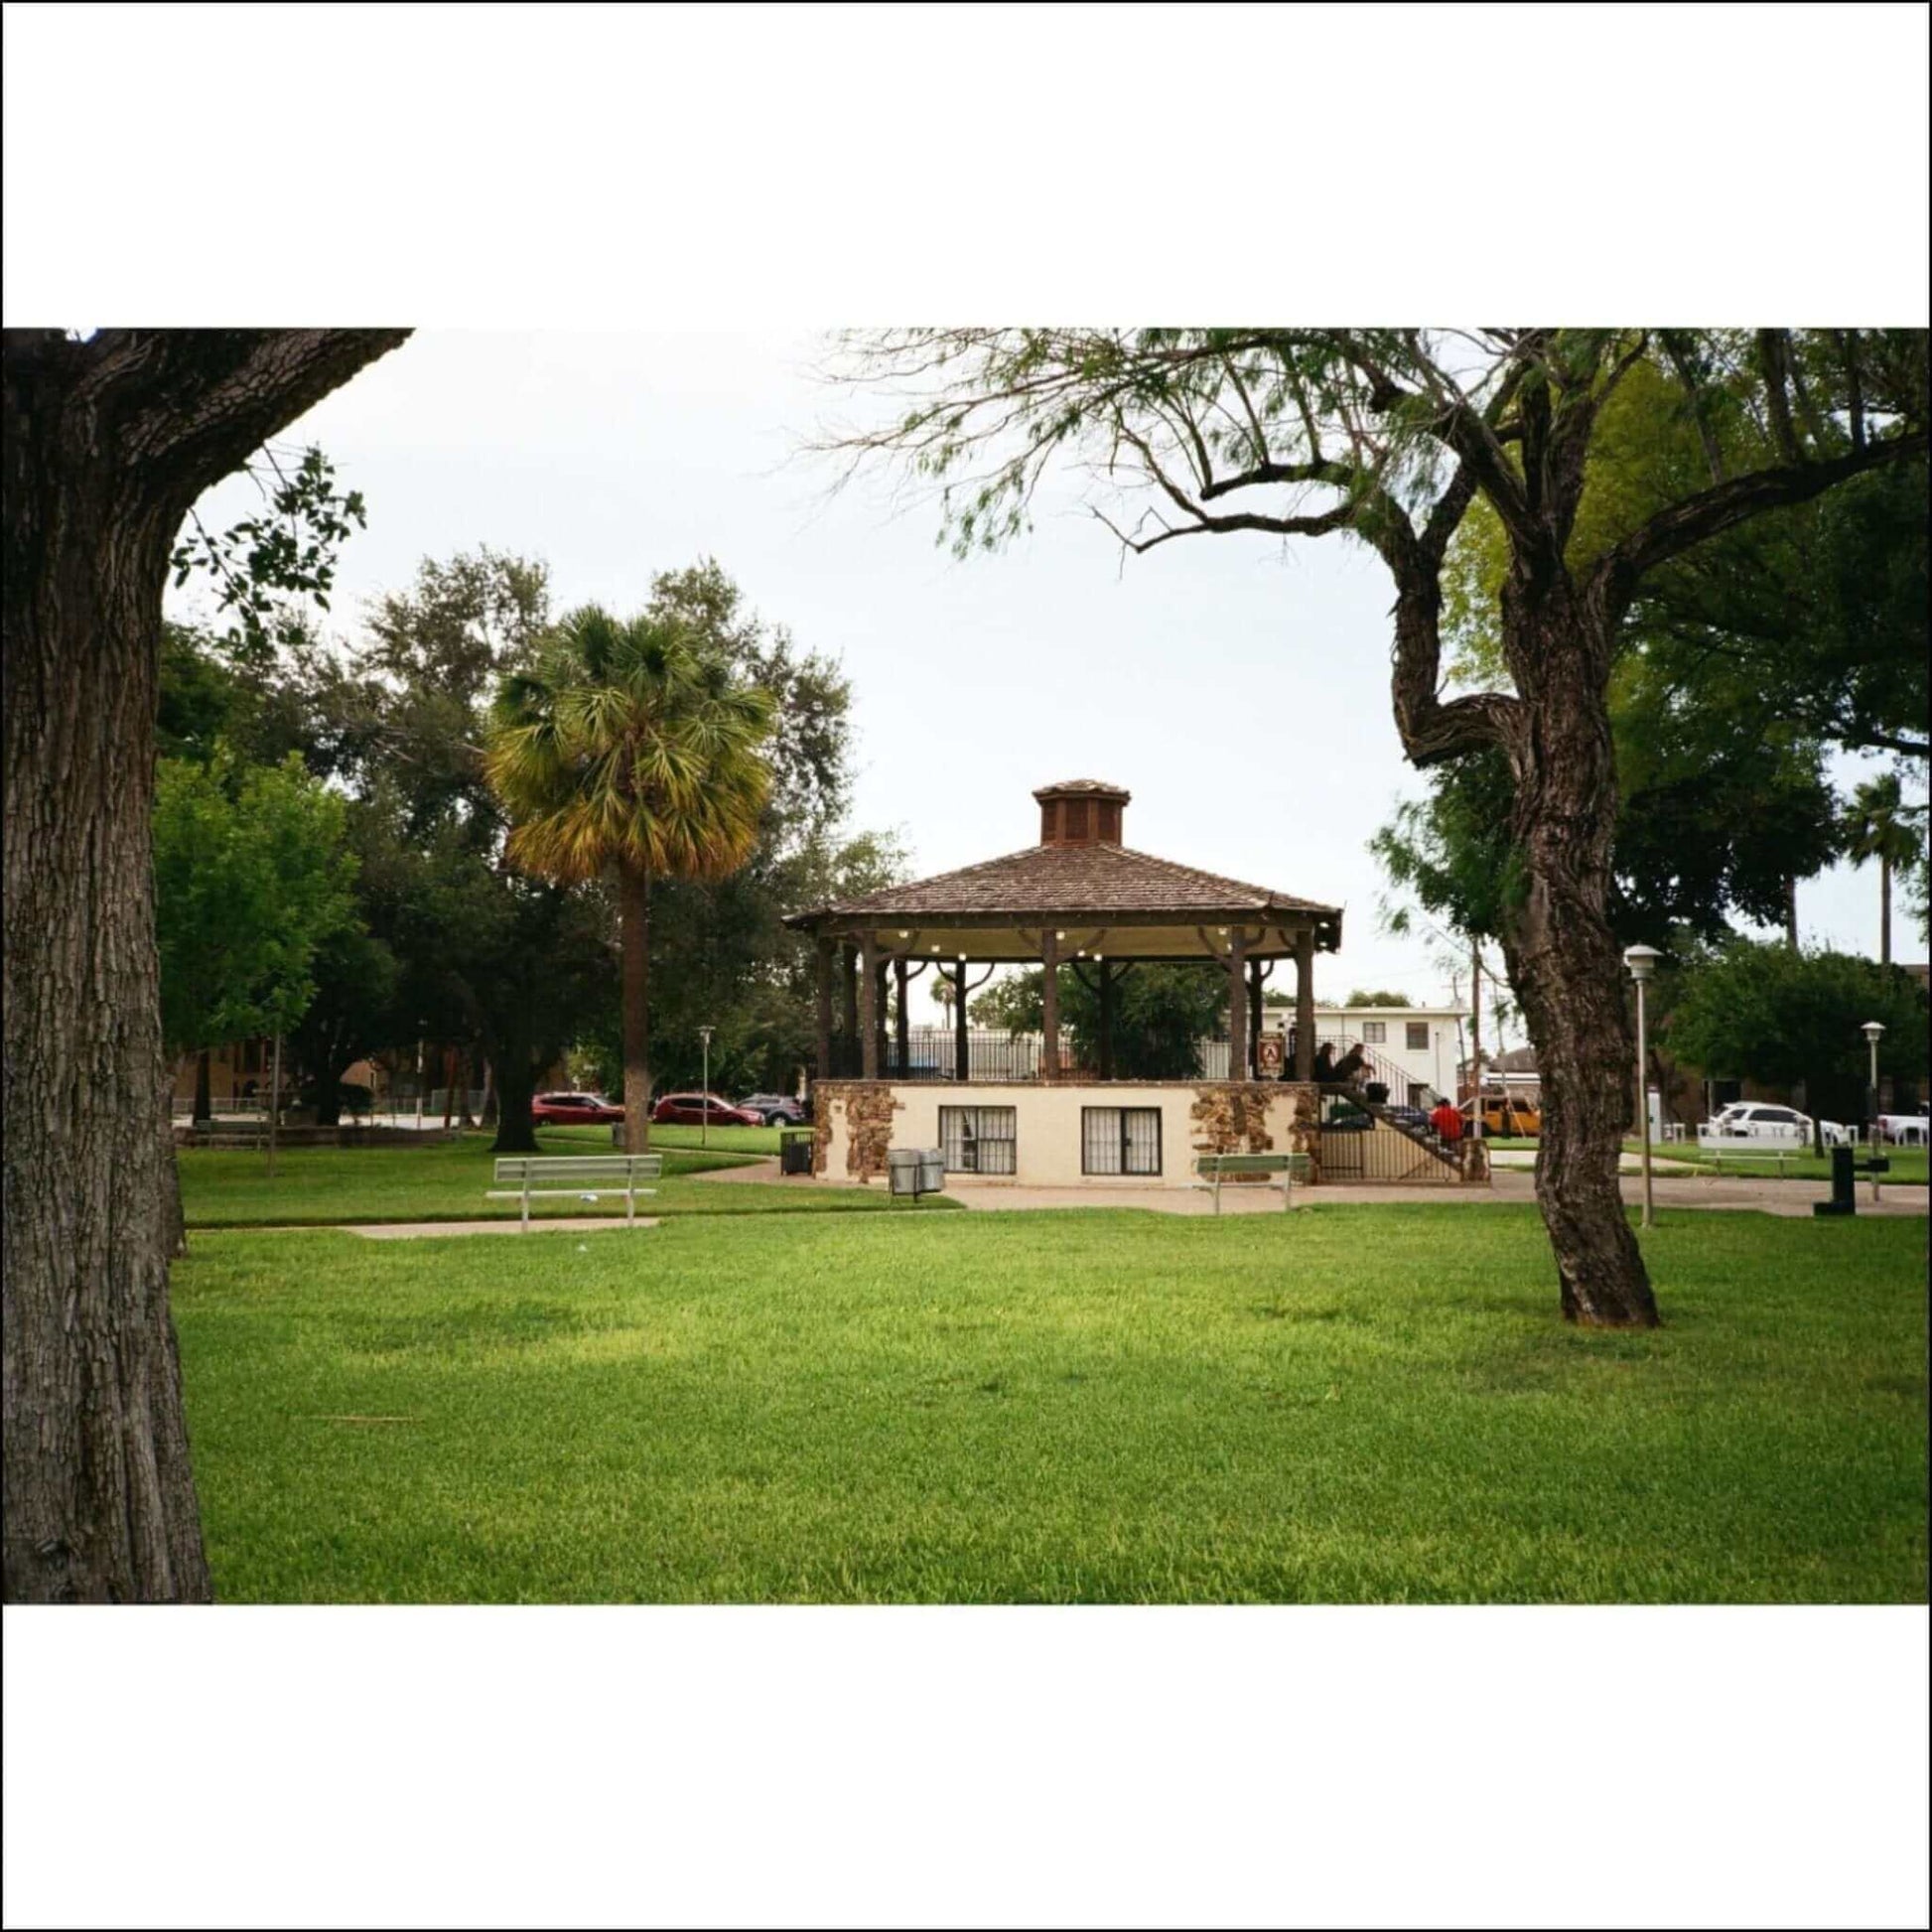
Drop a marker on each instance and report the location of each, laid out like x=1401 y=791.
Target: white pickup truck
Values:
x=1905 y=1130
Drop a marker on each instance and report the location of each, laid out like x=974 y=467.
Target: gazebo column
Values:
x=880 y=1001
x=1049 y=1026
x=849 y=1003
x=1305 y=1004
x=823 y=1040
x=869 y=1027
x=1237 y=1005
x=961 y=1045
x=901 y=1024
x=1254 y=1018
x=1106 y=993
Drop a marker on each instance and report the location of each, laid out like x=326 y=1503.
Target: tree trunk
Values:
x=106 y=444
x=99 y=1498
x=633 y=895
x=516 y=1084
x=1791 y=914
x=1564 y=962
x=204 y=1097
x=1884 y=910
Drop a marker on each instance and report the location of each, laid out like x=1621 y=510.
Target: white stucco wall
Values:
x=1048 y=1127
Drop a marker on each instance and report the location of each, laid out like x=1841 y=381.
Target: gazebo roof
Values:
x=1145 y=904
x=1090 y=880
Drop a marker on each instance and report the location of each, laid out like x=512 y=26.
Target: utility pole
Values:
x=1475 y=1034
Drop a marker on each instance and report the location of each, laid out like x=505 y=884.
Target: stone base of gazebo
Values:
x=1054 y=1139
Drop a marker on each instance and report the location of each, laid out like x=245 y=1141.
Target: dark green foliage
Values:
x=1769 y=1014
x=1160 y=1014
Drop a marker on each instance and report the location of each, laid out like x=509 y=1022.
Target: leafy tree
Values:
x=1392 y=436
x=1161 y=1013
x=1770 y=1014
x=110 y=439
x=1361 y=999
x=252 y=878
x=1880 y=825
x=625 y=749
x=266 y=568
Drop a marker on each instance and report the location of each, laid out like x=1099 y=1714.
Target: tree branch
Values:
x=189 y=405
x=1677 y=530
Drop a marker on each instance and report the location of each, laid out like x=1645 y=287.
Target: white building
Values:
x=1409 y=1047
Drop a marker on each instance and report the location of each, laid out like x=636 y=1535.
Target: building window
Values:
x=1419 y=1035
x=978 y=1140
x=1374 y=1032
x=1120 y=1139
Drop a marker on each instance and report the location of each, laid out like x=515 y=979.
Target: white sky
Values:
x=1239 y=688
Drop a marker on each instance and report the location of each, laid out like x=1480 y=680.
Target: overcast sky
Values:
x=1239 y=689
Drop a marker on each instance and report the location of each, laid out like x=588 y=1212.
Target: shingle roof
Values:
x=1084 y=784
x=1105 y=879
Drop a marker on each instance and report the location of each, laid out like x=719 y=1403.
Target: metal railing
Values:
x=931 y=1054
x=1362 y=1141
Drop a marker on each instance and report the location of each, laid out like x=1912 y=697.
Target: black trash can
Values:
x=794 y=1150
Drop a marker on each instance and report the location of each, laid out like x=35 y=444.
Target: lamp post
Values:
x=1642 y=962
x=1871 y=1030
x=704 y=1105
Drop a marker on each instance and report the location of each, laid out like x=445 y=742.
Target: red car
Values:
x=572 y=1110
x=695 y=1109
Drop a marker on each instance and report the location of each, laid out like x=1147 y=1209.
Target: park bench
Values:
x=589 y=1177
x=1281 y=1170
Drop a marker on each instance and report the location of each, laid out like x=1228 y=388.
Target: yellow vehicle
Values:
x=1505 y=1116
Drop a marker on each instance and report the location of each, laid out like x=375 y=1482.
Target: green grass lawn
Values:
x=1339 y=1405
x=447 y=1181
x=1908 y=1163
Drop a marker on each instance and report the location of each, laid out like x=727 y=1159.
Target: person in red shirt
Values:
x=1446 y=1121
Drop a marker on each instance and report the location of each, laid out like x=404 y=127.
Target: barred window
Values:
x=1120 y=1139
x=1374 y=1032
x=978 y=1140
x=1419 y=1035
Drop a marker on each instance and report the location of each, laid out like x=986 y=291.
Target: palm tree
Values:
x=625 y=750
x=1878 y=826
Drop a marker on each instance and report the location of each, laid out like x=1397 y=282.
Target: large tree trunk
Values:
x=633 y=898
x=204 y=1097
x=1566 y=969
x=107 y=444
x=516 y=1085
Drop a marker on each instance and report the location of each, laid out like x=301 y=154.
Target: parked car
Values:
x=700 y=1109
x=572 y=1110
x=776 y=1109
x=1758 y=1120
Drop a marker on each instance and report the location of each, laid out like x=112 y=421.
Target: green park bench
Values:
x=589 y=1176
x=1281 y=1170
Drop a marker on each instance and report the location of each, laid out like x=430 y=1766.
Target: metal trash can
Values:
x=932 y=1171
x=903 y=1171
x=794 y=1150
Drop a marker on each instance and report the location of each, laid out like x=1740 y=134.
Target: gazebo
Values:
x=1082 y=897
